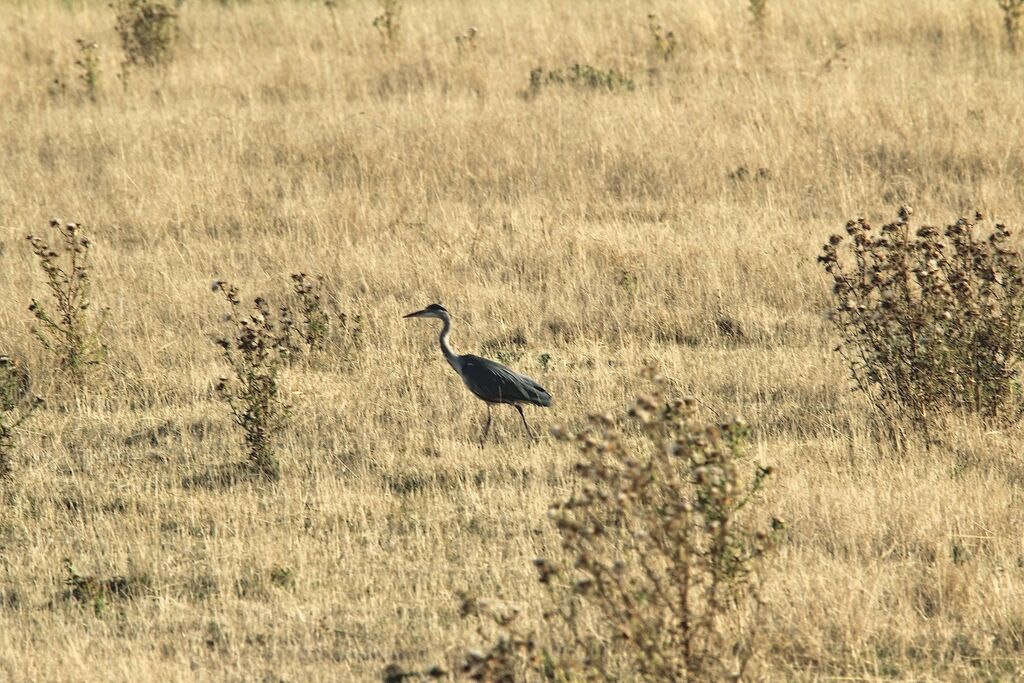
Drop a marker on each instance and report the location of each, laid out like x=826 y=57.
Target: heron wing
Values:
x=494 y=382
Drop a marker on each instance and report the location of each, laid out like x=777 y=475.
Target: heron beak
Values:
x=414 y=314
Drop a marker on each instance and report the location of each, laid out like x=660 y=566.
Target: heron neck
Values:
x=449 y=355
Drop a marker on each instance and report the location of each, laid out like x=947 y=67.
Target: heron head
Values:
x=431 y=311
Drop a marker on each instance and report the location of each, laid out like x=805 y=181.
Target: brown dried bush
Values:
x=930 y=320
x=660 y=574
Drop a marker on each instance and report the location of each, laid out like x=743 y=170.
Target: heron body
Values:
x=491 y=382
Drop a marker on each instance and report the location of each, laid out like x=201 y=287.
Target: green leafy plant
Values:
x=73 y=333
x=661 y=573
x=930 y=321
x=256 y=351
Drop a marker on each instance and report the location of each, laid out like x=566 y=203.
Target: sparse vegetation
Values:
x=659 y=570
x=73 y=333
x=758 y=14
x=1013 y=16
x=664 y=41
x=581 y=76
x=388 y=22
x=316 y=323
x=931 y=321
x=583 y=232
x=256 y=351
x=16 y=406
x=96 y=591
x=148 y=31
x=88 y=64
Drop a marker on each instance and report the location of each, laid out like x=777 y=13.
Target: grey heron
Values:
x=489 y=381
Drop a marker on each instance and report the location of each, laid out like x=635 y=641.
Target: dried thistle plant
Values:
x=661 y=569
x=73 y=335
x=1013 y=16
x=388 y=23
x=16 y=406
x=930 y=321
x=311 y=322
x=664 y=42
x=88 y=64
x=466 y=42
x=316 y=322
x=256 y=351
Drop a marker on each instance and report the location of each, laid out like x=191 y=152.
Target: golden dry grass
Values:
x=603 y=226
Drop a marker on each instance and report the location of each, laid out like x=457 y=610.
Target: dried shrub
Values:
x=660 y=577
x=580 y=76
x=148 y=32
x=16 y=406
x=73 y=334
x=313 y=322
x=388 y=23
x=758 y=14
x=256 y=351
x=664 y=42
x=930 y=320
x=88 y=65
x=466 y=42
x=1013 y=16
x=97 y=591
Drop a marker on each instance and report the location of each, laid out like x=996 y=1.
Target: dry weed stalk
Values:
x=71 y=335
x=664 y=42
x=88 y=64
x=16 y=407
x=316 y=323
x=930 y=320
x=388 y=23
x=758 y=14
x=256 y=352
x=1013 y=15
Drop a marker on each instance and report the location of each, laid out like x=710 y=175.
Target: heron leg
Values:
x=487 y=427
x=520 y=409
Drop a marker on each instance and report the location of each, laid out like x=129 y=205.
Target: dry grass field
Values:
x=604 y=229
